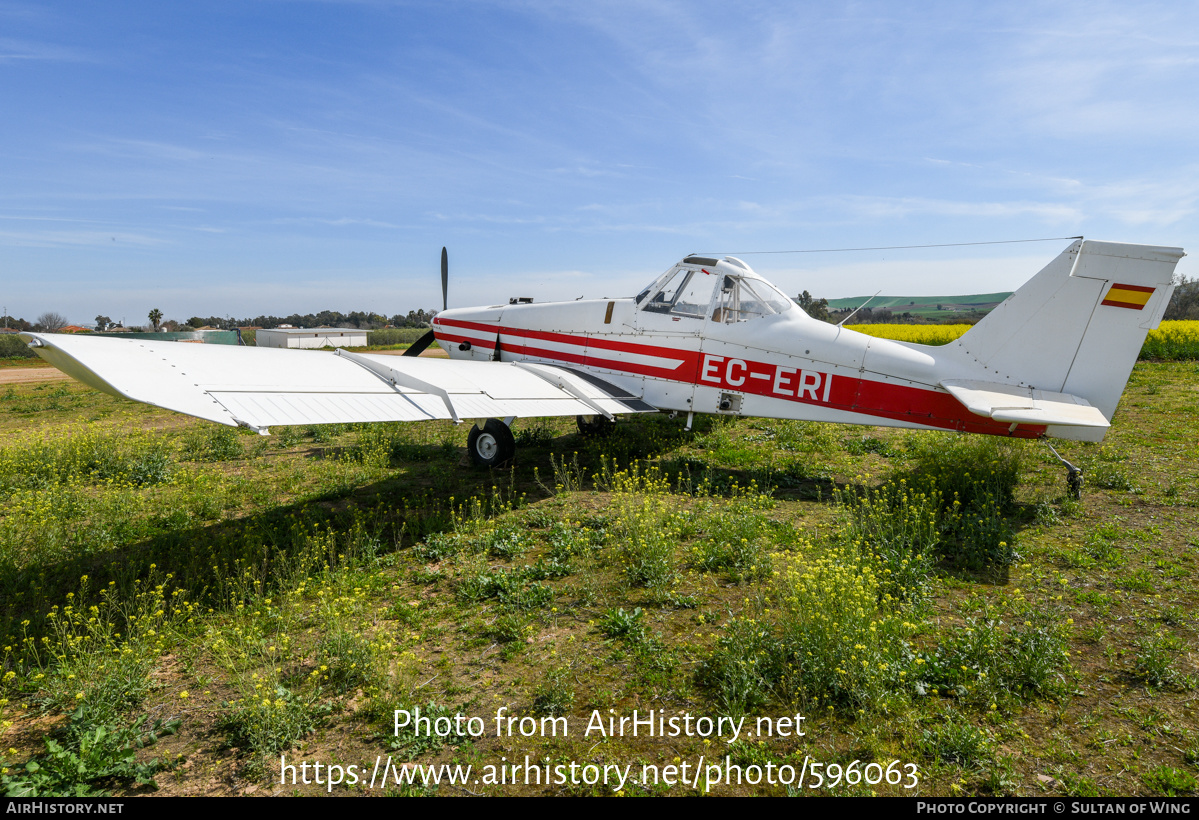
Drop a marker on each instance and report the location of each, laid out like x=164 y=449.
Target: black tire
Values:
x=493 y=446
x=594 y=426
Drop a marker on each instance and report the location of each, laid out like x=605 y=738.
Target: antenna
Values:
x=859 y=307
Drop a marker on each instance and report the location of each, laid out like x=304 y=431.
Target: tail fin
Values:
x=1077 y=326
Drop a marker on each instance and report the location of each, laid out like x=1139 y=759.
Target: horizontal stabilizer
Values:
x=264 y=387
x=1024 y=405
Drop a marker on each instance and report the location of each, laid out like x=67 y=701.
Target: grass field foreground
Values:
x=181 y=604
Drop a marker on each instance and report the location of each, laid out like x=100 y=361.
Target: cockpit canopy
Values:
x=724 y=290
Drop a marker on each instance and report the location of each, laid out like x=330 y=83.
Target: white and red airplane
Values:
x=707 y=336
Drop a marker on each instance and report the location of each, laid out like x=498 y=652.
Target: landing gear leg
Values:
x=492 y=445
x=1073 y=474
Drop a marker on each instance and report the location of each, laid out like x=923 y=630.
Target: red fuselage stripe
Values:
x=815 y=387
x=562 y=338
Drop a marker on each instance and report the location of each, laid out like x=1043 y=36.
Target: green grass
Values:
x=244 y=597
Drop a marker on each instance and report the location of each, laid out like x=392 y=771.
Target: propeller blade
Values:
x=445 y=279
x=420 y=344
x=418 y=347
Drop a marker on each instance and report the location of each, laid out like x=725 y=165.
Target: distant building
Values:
x=313 y=337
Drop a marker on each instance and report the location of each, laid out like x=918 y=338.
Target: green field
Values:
x=938 y=308
x=183 y=603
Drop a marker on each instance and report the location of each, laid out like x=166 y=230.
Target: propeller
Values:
x=445 y=279
x=418 y=347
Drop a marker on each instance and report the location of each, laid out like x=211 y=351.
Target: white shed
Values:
x=311 y=337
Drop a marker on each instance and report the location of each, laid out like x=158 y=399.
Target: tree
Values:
x=103 y=323
x=155 y=317
x=51 y=322
x=1184 y=304
x=816 y=308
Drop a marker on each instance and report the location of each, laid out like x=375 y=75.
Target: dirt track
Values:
x=27 y=375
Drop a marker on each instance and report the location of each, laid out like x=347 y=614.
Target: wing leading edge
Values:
x=265 y=387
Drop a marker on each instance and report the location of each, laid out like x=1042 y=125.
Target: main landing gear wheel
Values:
x=594 y=425
x=492 y=446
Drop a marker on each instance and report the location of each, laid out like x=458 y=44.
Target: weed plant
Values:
x=991 y=663
x=84 y=458
x=273 y=720
x=410 y=743
x=213 y=443
x=843 y=650
x=647 y=527
x=347 y=661
x=975 y=478
x=895 y=528
x=738 y=536
x=746 y=670
x=822 y=640
x=957 y=741
x=622 y=623
x=1156 y=663
x=86 y=758
x=967 y=469
x=554 y=695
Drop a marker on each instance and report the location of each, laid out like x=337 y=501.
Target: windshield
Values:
x=684 y=293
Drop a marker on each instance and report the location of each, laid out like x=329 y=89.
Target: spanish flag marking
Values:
x=1127 y=296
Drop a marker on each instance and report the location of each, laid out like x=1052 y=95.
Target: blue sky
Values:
x=268 y=157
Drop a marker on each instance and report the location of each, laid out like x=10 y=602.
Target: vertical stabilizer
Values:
x=1076 y=327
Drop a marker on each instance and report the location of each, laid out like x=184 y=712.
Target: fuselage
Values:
x=710 y=336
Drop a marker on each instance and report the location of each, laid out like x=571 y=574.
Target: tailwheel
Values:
x=492 y=445
x=1073 y=474
x=1074 y=482
x=595 y=425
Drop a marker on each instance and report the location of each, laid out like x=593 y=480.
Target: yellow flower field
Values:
x=918 y=334
x=1173 y=340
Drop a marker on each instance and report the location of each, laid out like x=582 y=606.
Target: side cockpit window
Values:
x=695 y=296
x=743 y=300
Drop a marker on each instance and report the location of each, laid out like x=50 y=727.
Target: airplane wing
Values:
x=1023 y=405
x=264 y=387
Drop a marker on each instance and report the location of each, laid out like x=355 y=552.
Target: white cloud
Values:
x=50 y=239
x=13 y=50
